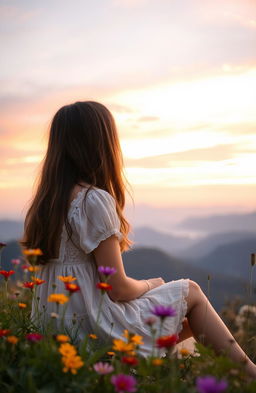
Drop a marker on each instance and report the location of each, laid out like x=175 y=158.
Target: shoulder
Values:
x=98 y=196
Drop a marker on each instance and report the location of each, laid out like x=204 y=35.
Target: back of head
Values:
x=83 y=147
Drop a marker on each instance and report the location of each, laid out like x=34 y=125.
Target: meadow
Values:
x=47 y=359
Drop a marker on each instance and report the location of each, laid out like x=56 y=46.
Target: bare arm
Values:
x=124 y=288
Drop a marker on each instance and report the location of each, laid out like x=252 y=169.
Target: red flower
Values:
x=104 y=286
x=25 y=267
x=71 y=287
x=167 y=341
x=2 y=245
x=34 y=337
x=29 y=284
x=131 y=360
x=4 y=332
x=6 y=273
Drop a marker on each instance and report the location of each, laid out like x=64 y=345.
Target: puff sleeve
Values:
x=97 y=220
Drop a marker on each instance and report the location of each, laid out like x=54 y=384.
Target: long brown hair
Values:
x=83 y=147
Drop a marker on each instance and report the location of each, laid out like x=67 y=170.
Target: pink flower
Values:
x=34 y=337
x=103 y=368
x=124 y=383
x=25 y=268
x=15 y=261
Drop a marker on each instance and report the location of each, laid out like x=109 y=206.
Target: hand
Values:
x=155 y=282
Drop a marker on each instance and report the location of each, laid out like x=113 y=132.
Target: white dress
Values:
x=93 y=218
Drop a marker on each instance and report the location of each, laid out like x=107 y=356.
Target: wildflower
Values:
x=210 y=384
x=121 y=346
x=136 y=339
x=72 y=287
x=15 y=262
x=66 y=278
x=67 y=349
x=25 y=267
x=4 y=332
x=106 y=270
x=104 y=286
x=2 y=245
x=59 y=298
x=54 y=315
x=37 y=280
x=124 y=383
x=32 y=252
x=103 y=368
x=6 y=273
x=34 y=337
x=12 y=339
x=184 y=352
x=93 y=336
x=72 y=363
x=167 y=341
x=157 y=362
x=29 y=284
x=150 y=321
x=22 y=305
x=131 y=360
x=33 y=269
x=163 y=311
x=111 y=353
x=62 y=338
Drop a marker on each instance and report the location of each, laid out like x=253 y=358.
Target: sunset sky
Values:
x=178 y=75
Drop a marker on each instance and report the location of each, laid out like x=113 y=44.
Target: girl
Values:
x=76 y=219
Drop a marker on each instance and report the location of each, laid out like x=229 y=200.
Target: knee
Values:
x=193 y=286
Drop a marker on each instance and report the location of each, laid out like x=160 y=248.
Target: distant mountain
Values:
x=148 y=237
x=232 y=259
x=221 y=223
x=11 y=251
x=10 y=230
x=148 y=263
x=209 y=243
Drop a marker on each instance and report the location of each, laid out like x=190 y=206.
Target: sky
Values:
x=179 y=77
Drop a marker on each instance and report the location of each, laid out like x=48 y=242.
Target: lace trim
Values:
x=184 y=304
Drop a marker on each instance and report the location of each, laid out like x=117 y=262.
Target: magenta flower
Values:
x=124 y=383
x=34 y=337
x=103 y=368
x=210 y=384
x=163 y=311
x=106 y=270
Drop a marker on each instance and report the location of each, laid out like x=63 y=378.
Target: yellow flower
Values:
x=62 y=338
x=22 y=305
x=72 y=363
x=67 y=349
x=12 y=339
x=33 y=269
x=66 y=278
x=32 y=252
x=93 y=336
x=184 y=352
x=157 y=362
x=58 y=298
x=121 y=346
x=136 y=339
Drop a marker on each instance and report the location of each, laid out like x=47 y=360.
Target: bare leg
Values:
x=209 y=329
x=186 y=331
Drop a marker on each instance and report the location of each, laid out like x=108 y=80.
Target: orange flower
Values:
x=93 y=336
x=66 y=278
x=22 y=305
x=59 y=298
x=32 y=252
x=157 y=362
x=136 y=339
x=33 y=269
x=184 y=352
x=62 y=338
x=37 y=280
x=12 y=339
x=104 y=286
x=72 y=363
x=67 y=349
x=121 y=346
